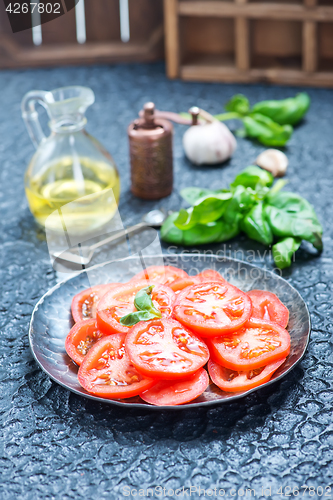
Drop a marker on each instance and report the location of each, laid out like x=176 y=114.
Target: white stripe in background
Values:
x=80 y=18
x=124 y=21
x=37 y=38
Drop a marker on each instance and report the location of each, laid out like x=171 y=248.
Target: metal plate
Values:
x=51 y=319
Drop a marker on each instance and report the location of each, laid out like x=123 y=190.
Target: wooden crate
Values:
x=280 y=41
x=103 y=41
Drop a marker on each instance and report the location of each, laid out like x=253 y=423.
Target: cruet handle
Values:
x=30 y=115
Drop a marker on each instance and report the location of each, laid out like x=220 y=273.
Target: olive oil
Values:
x=80 y=187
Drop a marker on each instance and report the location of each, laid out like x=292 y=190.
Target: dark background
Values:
x=55 y=444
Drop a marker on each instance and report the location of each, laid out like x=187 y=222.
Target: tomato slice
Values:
x=267 y=306
x=164 y=348
x=233 y=381
x=81 y=338
x=107 y=371
x=161 y=274
x=84 y=304
x=177 y=392
x=179 y=285
x=208 y=275
x=257 y=344
x=120 y=302
x=212 y=308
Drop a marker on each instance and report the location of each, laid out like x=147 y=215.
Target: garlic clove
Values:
x=274 y=161
x=209 y=143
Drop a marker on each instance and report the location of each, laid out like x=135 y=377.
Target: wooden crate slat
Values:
x=310 y=46
x=61 y=30
x=145 y=16
x=171 y=24
x=102 y=20
x=255 y=10
x=211 y=73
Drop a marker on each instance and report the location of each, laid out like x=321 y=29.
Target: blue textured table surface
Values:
x=55 y=444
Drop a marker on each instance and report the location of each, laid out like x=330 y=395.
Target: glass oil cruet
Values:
x=70 y=167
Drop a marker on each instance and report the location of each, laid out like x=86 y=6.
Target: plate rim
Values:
x=147 y=406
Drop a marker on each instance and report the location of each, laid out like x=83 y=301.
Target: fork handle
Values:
x=114 y=237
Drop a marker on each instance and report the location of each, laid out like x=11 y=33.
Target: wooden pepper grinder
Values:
x=150 y=139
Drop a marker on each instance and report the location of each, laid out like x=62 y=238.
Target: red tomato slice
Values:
x=212 y=308
x=81 y=338
x=161 y=274
x=257 y=344
x=177 y=392
x=267 y=306
x=208 y=275
x=164 y=348
x=84 y=304
x=120 y=302
x=233 y=381
x=179 y=285
x=107 y=371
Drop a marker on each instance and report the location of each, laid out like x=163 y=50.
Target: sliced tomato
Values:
x=107 y=371
x=203 y=277
x=81 y=338
x=257 y=344
x=267 y=306
x=84 y=304
x=208 y=275
x=179 y=285
x=164 y=348
x=177 y=392
x=233 y=381
x=120 y=302
x=213 y=308
x=161 y=274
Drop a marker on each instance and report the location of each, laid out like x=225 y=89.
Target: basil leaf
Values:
x=253 y=176
x=146 y=309
x=256 y=226
x=170 y=233
x=143 y=301
x=133 y=318
x=286 y=111
x=284 y=250
x=239 y=104
x=205 y=210
x=291 y=215
x=266 y=131
x=200 y=234
x=193 y=194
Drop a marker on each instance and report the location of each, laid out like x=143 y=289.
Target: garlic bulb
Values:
x=274 y=161
x=209 y=143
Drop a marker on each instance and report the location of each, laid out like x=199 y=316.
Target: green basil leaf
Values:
x=284 y=250
x=241 y=202
x=286 y=111
x=205 y=210
x=256 y=226
x=170 y=233
x=200 y=234
x=266 y=131
x=239 y=104
x=253 y=177
x=291 y=215
x=193 y=194
x=133 y=318
x=143 y=301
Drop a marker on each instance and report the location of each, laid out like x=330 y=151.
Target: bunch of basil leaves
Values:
x=252 y=205
x=270 y=122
